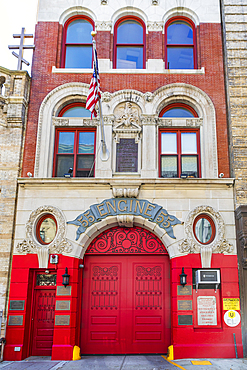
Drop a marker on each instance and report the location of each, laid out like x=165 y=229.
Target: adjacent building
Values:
x=132 y=250
x=235 y=25
x=14 y=97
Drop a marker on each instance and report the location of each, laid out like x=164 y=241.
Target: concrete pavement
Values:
x=137 y=362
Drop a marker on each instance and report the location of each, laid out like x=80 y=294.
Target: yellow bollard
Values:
x=170 y=354
x=76 y=353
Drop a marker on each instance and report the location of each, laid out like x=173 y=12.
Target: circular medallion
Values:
x=204 y=229
x=46 y=229
x=232 y=318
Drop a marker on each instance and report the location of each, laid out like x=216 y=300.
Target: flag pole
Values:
x=104 y=155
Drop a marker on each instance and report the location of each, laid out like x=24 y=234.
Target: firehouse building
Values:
x=133 y=251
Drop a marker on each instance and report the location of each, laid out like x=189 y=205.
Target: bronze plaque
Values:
x=63 y=305
x=16 y=305
x=61 y=290
x=184 y=305
x=127 y=156
x=62 y=319
x=186 y=290
x=184 y=319
x=16 y=320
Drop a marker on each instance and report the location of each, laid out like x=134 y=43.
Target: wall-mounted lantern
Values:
x=183 y=277
x=65 y=277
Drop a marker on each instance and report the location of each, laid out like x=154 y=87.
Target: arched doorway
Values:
x=126 y=294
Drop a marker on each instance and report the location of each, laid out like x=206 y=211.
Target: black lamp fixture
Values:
x=183 y=278
x=65 y=277
x=70 y=173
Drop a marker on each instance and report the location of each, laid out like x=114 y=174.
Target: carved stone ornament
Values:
x=127 y=116
x=148 y=96
x=164 y=122
x=125 y=220
x=57 y=121
x=155 y=26
x=218 y=245
x=125 y=193
x=194 y=122
x=155 y=2
x=104 y=2
x=31 y=244
x=103 y=26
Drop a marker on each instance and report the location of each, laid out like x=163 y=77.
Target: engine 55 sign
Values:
x=125 y=206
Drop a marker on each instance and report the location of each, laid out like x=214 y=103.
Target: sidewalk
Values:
x=140 y=362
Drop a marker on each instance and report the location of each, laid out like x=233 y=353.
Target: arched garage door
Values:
x=126 y=294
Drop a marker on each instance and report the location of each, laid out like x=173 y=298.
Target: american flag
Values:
x=94 y=90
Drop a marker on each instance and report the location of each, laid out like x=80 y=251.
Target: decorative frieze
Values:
x=155 y=26
x=125 y=193
x=103 y=25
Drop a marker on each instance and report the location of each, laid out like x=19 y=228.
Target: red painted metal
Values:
x=43 y=325
x=127 y=240
x=126 y=304
x=178 y=105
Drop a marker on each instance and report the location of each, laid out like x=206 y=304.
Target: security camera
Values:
x=29 y=174
x=221 y=175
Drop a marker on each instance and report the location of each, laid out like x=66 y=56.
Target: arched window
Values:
x=77 y=43
x=74 y=147
x=180 y=41
x=129 y=48
x=179 y=147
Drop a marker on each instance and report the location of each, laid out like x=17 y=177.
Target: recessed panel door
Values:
x=43 y=324
x=126 y=305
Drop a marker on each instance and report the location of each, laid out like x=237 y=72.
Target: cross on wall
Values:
x=21 y=48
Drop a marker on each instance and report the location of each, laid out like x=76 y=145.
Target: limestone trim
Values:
x=155 y=26
x=181 y=11
x=31 y=245
x=51 y=104
x=76 y=10
x=218 y=245
x=128 y=11
x=94 y=230
x=125 y=193
x=103 y=26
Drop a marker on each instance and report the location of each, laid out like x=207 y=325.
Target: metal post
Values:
x=235 y=344
x=104 y=155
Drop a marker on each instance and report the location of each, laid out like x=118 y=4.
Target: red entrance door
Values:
x=43 y=324
x=126 y=304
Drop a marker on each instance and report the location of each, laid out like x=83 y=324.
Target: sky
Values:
x=14 y=15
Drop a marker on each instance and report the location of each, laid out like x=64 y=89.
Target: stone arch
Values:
x=46 y=131
x=170 y=244
x=76 y=10
x=201 y=102
x=125 y=12
x=181 y=12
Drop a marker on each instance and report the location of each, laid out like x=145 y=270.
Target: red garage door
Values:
x=126 y=302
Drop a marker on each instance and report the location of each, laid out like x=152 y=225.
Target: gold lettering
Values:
x=138 y=204
x=80 y=219
x=148 y=209
x=131 y=201
x=84 y=223
x=112 y=206
x=99 y=206
x=89 y=217
x=160 y=218
x=124 y=209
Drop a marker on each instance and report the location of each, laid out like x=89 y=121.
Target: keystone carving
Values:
x=127 y=115
x=125 y=193
x=125 y=220
x=218 y=245
x=31 y=245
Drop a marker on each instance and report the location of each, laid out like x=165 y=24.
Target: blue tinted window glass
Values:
x=66 y=142
x=179 y=33
x=130 y=32
x=86 y=142
x=129 y=58
x=77 y=112
x=178 y=113
x=79 y=32
x=78 y=57
x=180 y=58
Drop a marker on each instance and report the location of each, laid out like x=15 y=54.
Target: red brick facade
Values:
x=48 y=54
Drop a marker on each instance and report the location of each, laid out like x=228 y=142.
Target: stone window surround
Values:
x=150 y=105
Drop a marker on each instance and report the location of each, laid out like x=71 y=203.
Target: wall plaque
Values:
x=16 y=305
x=61 y=290
x=184 y=319
x=206 y=310
x=231 y=304
x=184 y=305
x=127 y=156
x=62 y=319
x=16 y=320
x=63 y=305
x=186 y=290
